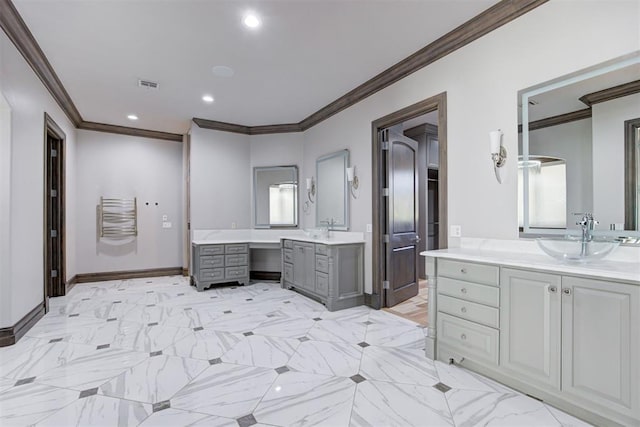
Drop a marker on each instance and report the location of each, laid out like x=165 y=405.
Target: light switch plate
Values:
x=234 y=226
x=166 y=224
x=165 y=217
x=369 y=228
x=455 y=231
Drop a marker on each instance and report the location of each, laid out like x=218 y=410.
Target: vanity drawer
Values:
x=211 y=250
x=288 y=244
x=288 y=255
x=212 y=274
x=322 y=283
x=322 y=263
x=321 y=249
x=482 y=294
x=212 y=261
x=288 y=273
x=233 y=260
x=236 y=272
x=475 y=342
x=469 y=310
x=479 y=273
x=241 y=248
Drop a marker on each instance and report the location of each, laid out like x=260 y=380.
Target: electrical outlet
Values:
x=369 y=228
x=234 y=225
x=166 y=224
x=455 y=231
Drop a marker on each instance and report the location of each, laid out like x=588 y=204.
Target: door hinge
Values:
x=54 y=273
x=385 y=284
x=385 y=136
x=54 y=153
x=385 y=192
x=54 y=193
x=385 y=145
x=386 y=239
x=54 y=233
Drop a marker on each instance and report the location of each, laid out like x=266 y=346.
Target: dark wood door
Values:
x=54 y=218
x=402 y=218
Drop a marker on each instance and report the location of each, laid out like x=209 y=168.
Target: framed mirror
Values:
x=576 y=151
x=332 y=192
x=275 y=196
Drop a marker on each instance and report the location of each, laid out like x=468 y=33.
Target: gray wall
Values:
x=121 y=166
x=608 y=153
x=571 y=142
x=21 y=226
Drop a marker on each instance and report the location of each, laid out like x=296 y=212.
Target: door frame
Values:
x=52 y=129
x=439 y=103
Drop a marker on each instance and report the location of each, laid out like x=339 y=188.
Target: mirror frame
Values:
x=294 y=170
x=523 y=97
x=344 y=154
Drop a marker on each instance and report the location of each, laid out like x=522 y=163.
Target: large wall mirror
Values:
x=275 y=192
x=332 y=192
x=578 y=151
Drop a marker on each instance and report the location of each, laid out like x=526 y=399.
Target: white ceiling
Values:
x=306 y=53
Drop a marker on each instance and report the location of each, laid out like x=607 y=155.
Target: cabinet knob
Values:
x=553 y=289
x=566 y=291
x=463 y=337
x=463 y=309
x=463 y=290
x=463 y=270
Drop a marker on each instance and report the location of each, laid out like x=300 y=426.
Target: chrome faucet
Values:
x=587 y=223
x=330 y=223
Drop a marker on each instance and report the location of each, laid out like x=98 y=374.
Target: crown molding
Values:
x=247 y=130
x=496 y=16
x=124 y=130
x=611 y=93
x=560 y=119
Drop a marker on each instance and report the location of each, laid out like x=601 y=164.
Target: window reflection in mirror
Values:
x=275 y=192
x=579 y=118
x=547 y=192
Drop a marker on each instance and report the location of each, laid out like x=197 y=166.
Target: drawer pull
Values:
x=463 y=270
x=463 y=337
x=463 y=309
x=553 y=289
x=567 y=291
x=463 y=290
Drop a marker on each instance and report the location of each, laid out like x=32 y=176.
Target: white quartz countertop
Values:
x=272 y=237
x=616 y=270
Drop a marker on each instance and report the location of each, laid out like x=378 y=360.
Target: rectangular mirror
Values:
x=332 y=192
x=577 y=152
x=275 y=196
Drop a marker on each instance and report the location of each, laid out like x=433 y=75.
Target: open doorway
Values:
x=409 y=203
x=54 y=211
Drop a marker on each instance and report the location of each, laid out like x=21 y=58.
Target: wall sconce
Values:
x=498 y=154
x=311 y=189
x=352 y=179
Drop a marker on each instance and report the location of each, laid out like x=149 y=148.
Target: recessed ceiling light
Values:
x=251 y=20
x=208 y=99
x=132 y=117
x=222 y=71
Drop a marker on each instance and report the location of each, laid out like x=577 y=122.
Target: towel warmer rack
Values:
x=118 y=217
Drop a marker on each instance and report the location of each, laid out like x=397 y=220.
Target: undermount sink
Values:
x=573 y=249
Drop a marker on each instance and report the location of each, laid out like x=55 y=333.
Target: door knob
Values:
x=416 y=239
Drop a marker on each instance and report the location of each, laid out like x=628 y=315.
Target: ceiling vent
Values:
x=148 y=84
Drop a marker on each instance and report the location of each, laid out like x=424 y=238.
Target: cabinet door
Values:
x=304 y=260
x=600 y=343
x=530 y=326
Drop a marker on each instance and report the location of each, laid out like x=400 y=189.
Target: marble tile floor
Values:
x=154 y=352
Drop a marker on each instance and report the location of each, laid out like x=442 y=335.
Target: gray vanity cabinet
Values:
x=214 y=264
x=331 y=274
